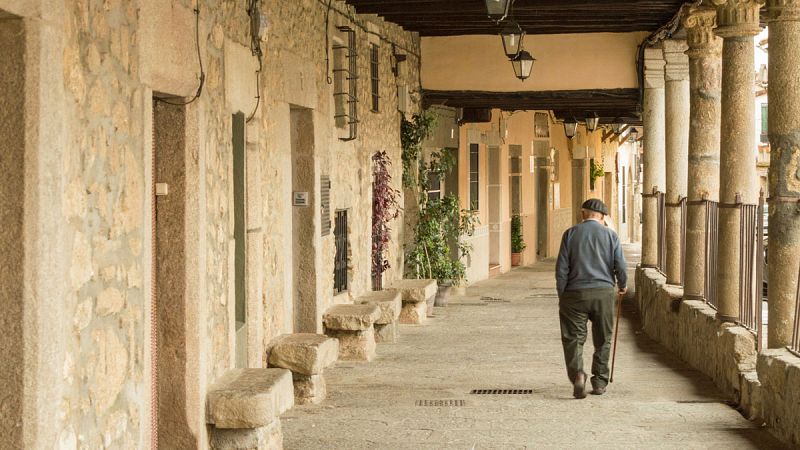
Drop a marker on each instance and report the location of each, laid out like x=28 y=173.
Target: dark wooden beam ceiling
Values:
x=607 y=103
x=458 y=17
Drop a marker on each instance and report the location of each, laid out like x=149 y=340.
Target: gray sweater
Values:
x=590 y=257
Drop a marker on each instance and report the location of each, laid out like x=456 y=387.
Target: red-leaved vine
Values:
x=385 y=208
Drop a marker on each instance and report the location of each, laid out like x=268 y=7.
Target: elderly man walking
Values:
x=590 y=264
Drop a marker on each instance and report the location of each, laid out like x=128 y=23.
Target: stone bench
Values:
x=416 y=296
x=390 y=302
x=353 y=326
x=244 y=405
x=306 y=355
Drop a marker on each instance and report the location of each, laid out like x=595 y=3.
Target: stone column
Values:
x=737 y=24
x=677 y=149
x=654 y=170
x=705 y=67
x=784 y=169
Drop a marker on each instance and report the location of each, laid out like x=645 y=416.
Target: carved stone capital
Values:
x=784 y=10
x=677 y=63
x=699 y=24
x=653 y=68
x=738 y=18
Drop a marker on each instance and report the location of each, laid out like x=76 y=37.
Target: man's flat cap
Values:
x=596 y=205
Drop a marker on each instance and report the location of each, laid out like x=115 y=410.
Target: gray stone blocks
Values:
x=390 y=303
x=306 y=355
x=353 y=326
x=416 y=294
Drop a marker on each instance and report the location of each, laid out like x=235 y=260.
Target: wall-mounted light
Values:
x=398 y=58
x=498 y=9
x=617 y=125
x=512 y=36
x=633 y=136
x=523 y=65
x=570 y=127
x=592 y=119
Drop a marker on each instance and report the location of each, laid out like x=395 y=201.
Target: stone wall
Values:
x=765 y=387
x=91 y=72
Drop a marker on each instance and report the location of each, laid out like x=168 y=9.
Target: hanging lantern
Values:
x=570 y=127
x=512 y=35
x=592 y=119
x=617 y=125
x=633 y=135
x=523 y=65
x=498 y=9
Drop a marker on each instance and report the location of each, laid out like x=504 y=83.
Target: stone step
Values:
x=249 y=398
x=304 y=353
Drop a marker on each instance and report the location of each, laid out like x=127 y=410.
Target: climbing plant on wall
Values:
x=596 y=170
x=412 y=133
x=385 y=208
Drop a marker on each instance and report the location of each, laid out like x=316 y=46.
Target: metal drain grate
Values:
x=502 y=391
x=494 y=300
x=440 y=403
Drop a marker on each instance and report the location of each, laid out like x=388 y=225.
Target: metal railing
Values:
x=751 y=267
x=661 y=265
x=712 y=253
x=794 y=347
x=681 y=204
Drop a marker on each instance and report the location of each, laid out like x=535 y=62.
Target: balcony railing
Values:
x=751 y=268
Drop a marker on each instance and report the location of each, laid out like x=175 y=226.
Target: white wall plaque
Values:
x=300 y=198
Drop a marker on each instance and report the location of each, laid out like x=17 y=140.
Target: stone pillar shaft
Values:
x=705 y=67
x=784 y=169
x=677 y=150
x=738 y=22
x=654 y=173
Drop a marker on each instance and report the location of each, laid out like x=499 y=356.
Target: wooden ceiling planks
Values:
x=459 y=17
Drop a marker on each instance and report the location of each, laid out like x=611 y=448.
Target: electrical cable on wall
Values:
x=255 y=48
x=327 y=44
x=199 y=59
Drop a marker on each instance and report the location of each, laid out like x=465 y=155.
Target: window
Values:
x=764 y=124
x=434 y=186
x=340 y=283
x=515 y=178
x=624 y=198
x=474 y=185
x=374 y=76
x=345 y=78
x=239 y=232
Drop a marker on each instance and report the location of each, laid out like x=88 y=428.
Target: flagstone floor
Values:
x=504 y=333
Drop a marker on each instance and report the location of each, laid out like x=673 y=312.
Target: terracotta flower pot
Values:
x=516 y=259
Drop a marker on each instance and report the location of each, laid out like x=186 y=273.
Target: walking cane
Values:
x=616 y=333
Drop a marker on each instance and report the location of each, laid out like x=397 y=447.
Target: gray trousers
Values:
x=574 y=309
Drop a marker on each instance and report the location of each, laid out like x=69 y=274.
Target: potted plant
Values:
x=517 y=243
x=441 y=222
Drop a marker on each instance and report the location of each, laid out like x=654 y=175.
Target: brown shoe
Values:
x=579 y=386
x=598 y=390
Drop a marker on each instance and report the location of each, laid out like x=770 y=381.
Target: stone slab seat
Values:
x=244 y=406
x=390 y=302
x=353 y=325
x=306 y=355
x=415 y=295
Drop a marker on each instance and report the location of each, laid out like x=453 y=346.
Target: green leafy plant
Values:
x=517 y=243
x=441 y=224
x=596 y=170
x=412 y=134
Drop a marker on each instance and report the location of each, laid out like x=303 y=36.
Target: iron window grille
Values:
x=374 y=64
x=340 y=282
x=346 y=83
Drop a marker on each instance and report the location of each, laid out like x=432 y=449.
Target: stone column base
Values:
x=309 y=389
x=269 y=437
x=355 y=345
x=386 y=332
x=414 y=313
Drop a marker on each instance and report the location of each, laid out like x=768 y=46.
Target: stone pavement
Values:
x=502 y=334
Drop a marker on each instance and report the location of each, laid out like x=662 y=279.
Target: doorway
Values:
x=12 y=243
x=304 y=281
x=542 y=205
x=495 y=208
x=240 y=238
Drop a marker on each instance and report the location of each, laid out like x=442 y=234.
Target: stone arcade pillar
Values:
x=737 y=24
x=784 y=169
x=677 y=149
x=705 y=66
x=654 y=173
